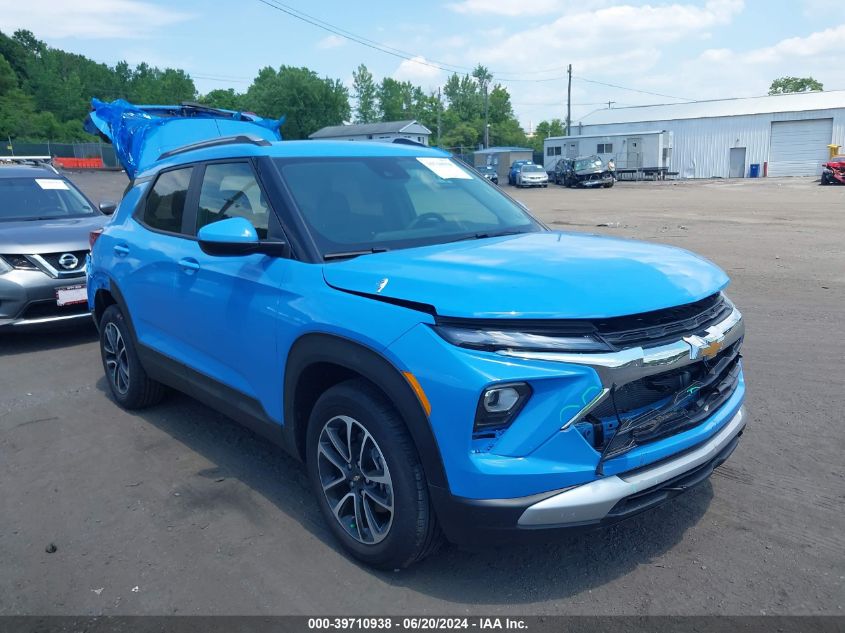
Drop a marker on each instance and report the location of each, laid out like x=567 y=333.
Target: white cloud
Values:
x=750 y=72
x=815 y=44
x=417 y=72
x=331 y=41
x=93 y=19
x=623 y=27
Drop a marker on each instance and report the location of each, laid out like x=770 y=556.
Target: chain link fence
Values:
x=95 y=150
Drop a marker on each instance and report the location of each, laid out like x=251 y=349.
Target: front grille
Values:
x=54 y=260
x=656 y=407
x=49 y=309
x=649 y=329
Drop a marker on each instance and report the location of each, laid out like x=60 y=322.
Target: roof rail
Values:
x=42 y=161
x=407 y=141
x=214 y=142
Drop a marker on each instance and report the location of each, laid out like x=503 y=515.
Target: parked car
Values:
x=44 y=225
x=490 y=173
x=532 y=176
x=834 y=171
x=588 y=171
x=443 y=363
x=514 y=170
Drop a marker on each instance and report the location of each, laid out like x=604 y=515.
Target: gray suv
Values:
x=45 y=223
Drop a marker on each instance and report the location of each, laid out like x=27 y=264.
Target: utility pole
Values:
x=569 y=101
x=439 y=108
x=486 y=123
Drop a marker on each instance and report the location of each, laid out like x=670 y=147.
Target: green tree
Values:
x=226 y=99
x=544 y=130
x=464 y=99
x=365 y=92
x=29 y=42
x=308 y=101
x=15 y=54
x=786 y=85
x=8 y=79
x=508 y=132
x=395 y=99
x=457 y=133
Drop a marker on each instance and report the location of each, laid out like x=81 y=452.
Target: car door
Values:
x=145 y=260
x=228 y=304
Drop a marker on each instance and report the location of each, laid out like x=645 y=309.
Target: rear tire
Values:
x=368 y=479
x=128 y=382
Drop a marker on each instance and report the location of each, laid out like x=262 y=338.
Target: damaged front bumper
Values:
x=596 y=504
x=620 y=496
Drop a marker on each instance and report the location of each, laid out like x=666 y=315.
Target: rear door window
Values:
x=165 y=203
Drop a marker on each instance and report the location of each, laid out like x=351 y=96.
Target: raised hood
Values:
x=140 y=134
x=547 y=275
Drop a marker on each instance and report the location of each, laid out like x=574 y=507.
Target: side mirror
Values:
x=107 y=207
x=236 y=236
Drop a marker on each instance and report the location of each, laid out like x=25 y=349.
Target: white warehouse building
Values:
x=785 y=135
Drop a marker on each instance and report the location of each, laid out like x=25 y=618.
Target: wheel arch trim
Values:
x=318 y=348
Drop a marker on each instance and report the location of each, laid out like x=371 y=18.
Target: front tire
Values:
x=128 y=381
x=368 y=478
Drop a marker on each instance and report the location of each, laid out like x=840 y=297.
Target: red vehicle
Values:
x=834 y=171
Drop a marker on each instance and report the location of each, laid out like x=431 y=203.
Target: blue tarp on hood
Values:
x=140 y=134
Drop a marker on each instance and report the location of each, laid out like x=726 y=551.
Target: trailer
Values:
x=636 y=154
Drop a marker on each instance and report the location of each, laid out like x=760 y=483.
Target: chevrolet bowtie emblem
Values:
x=702 y=348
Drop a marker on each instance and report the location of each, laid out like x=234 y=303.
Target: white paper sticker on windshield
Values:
x=445 y=168
x=52 y=183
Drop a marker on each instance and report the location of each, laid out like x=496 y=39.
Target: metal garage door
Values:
x=799 y=148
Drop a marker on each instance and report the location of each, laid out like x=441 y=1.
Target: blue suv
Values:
x=443 y=363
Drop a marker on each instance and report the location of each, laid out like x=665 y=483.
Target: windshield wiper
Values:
x=348 y=254
x=482 y=236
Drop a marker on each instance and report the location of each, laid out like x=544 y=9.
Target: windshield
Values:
x=385 y=203
x=587 y=163
x=41 y=199
x=531 y=168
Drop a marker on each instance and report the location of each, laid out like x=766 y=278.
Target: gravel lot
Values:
x=178 y=510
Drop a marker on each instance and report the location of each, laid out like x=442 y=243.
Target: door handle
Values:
x=121 y=250
x=189 y=265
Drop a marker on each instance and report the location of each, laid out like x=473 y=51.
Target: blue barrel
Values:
x=754 y=172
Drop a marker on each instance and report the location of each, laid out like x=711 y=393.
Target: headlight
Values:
x=4 y=266
x=494 y=340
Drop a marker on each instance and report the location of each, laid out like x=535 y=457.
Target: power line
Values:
x=645 y=92
x=398 y=52
x=395 y=52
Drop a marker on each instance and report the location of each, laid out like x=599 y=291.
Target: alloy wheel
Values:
x=117 y=362
x=355 y=479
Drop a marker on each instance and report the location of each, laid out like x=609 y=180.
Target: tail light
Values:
x=92 y=237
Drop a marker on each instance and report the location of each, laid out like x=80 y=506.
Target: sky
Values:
x=674 y=50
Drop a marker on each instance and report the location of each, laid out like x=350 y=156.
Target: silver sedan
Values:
x=532 y=176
